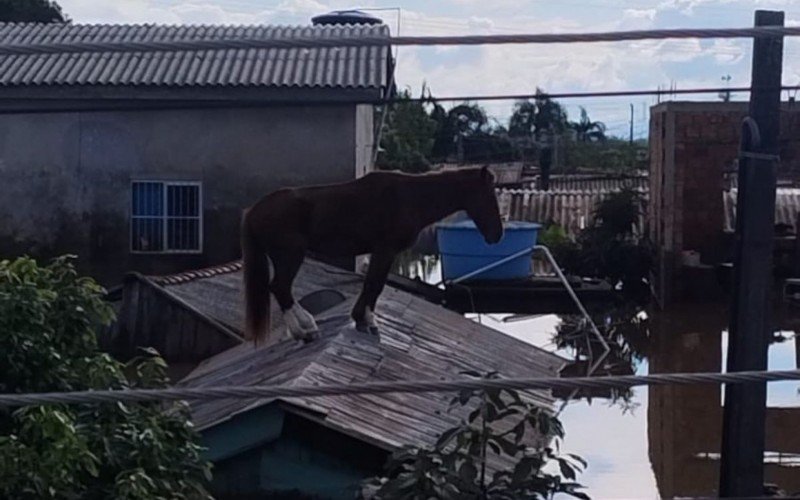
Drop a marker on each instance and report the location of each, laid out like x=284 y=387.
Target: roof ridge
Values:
x=289 y=347
x=293 y=27
x=195 y=274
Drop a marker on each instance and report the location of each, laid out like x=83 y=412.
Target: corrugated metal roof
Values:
x=418 y=340
x=343 y=67
x=787 y=207
x=573 y=210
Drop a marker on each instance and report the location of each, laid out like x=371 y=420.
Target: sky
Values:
x=518 y=69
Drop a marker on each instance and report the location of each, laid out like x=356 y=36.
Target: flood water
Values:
x=662 y=442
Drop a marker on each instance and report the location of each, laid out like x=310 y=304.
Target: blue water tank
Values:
x=464 y=250
x=345 y=17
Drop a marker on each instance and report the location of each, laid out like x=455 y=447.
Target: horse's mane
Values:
x=445 y=172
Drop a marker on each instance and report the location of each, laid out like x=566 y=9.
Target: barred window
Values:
x=166 y=217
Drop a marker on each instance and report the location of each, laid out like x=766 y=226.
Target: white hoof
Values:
x=369 y=318
x=300 y=324
x=370 y=322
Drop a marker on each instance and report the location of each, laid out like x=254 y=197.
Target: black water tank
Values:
x=345 y=17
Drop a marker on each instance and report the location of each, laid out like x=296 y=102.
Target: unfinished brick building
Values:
x=693 y=145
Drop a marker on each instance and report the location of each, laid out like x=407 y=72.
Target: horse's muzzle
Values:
x=491 y=240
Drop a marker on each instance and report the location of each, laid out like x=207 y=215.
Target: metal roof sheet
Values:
x=418 y=340
x=335 y=67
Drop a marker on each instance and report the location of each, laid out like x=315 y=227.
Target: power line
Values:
x=386 y=41
x=247 y=103
x=402 y=386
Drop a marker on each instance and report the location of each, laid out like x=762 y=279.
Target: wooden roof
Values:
x=419 y=340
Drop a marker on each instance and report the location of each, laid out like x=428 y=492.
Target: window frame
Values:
x=165 y=217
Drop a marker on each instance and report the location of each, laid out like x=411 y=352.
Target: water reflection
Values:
x=414 y=265
x=685 y=422
x=659 y=441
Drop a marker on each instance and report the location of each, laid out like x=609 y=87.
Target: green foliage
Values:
x=610 y=154
x=466 y=133
x=588 y=131
x=418 y=133
x=48 y=319
x=627 y=333
x=499 y=429
x=609 y=248
x=31 y=11
x=554 y=237
x=408 y=138
x=533 y=126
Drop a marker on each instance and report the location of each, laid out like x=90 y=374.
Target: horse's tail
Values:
x=256 y=285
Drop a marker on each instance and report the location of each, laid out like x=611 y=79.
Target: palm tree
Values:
x=534 y=124
x=588 y=131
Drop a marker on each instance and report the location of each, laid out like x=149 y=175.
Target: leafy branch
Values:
x=506 y=448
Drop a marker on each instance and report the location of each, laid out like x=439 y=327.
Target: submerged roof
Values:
x=337 y=67
x=419 y=340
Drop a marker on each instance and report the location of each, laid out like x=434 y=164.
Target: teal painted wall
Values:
x=269 y=453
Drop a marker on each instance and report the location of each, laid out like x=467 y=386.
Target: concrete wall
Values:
x=66 y=176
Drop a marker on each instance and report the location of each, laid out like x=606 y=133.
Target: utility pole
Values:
x=631 y=139
x=742 y=460
x=726 y=94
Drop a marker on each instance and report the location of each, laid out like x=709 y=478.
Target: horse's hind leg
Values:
x=287 y=262
x=363 y=312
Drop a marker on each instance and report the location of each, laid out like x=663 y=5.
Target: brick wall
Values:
x=691 y=145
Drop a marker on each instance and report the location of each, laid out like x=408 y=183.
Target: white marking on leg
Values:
x=293 y=326
x=306 y=319
x=300 y=323
x=369 y=318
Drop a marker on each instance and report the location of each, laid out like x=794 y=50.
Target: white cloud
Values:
x=302 y=7
x=191 y=13
x=194 y=12
x=510 y=68
x=648 y=14
x=480 y=24
x=728 y=51
x=670 y=50
x=120 y=11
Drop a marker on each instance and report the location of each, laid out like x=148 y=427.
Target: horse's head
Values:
x=482 y=208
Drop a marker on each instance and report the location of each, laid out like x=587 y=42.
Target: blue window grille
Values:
x=166 y=217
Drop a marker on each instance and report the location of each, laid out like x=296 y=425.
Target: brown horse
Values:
x=381 y=214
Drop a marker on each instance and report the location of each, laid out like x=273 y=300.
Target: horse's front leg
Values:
x=364 y=310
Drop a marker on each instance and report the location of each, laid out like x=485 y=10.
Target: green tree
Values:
x=588 y=131
x=49 y=317
x=538 y=118
x=534 y=127
x=467 y=133
x=613 y=155
x=443 y=133
x=610 y=247
x=521 y=123
x=499 y=429
x=408 y=138
x=31 y=11
x=551 y=117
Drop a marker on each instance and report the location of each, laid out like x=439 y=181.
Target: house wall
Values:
x=691 y=145
x=146 y=312
x=270 y=453
x=67 y=176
